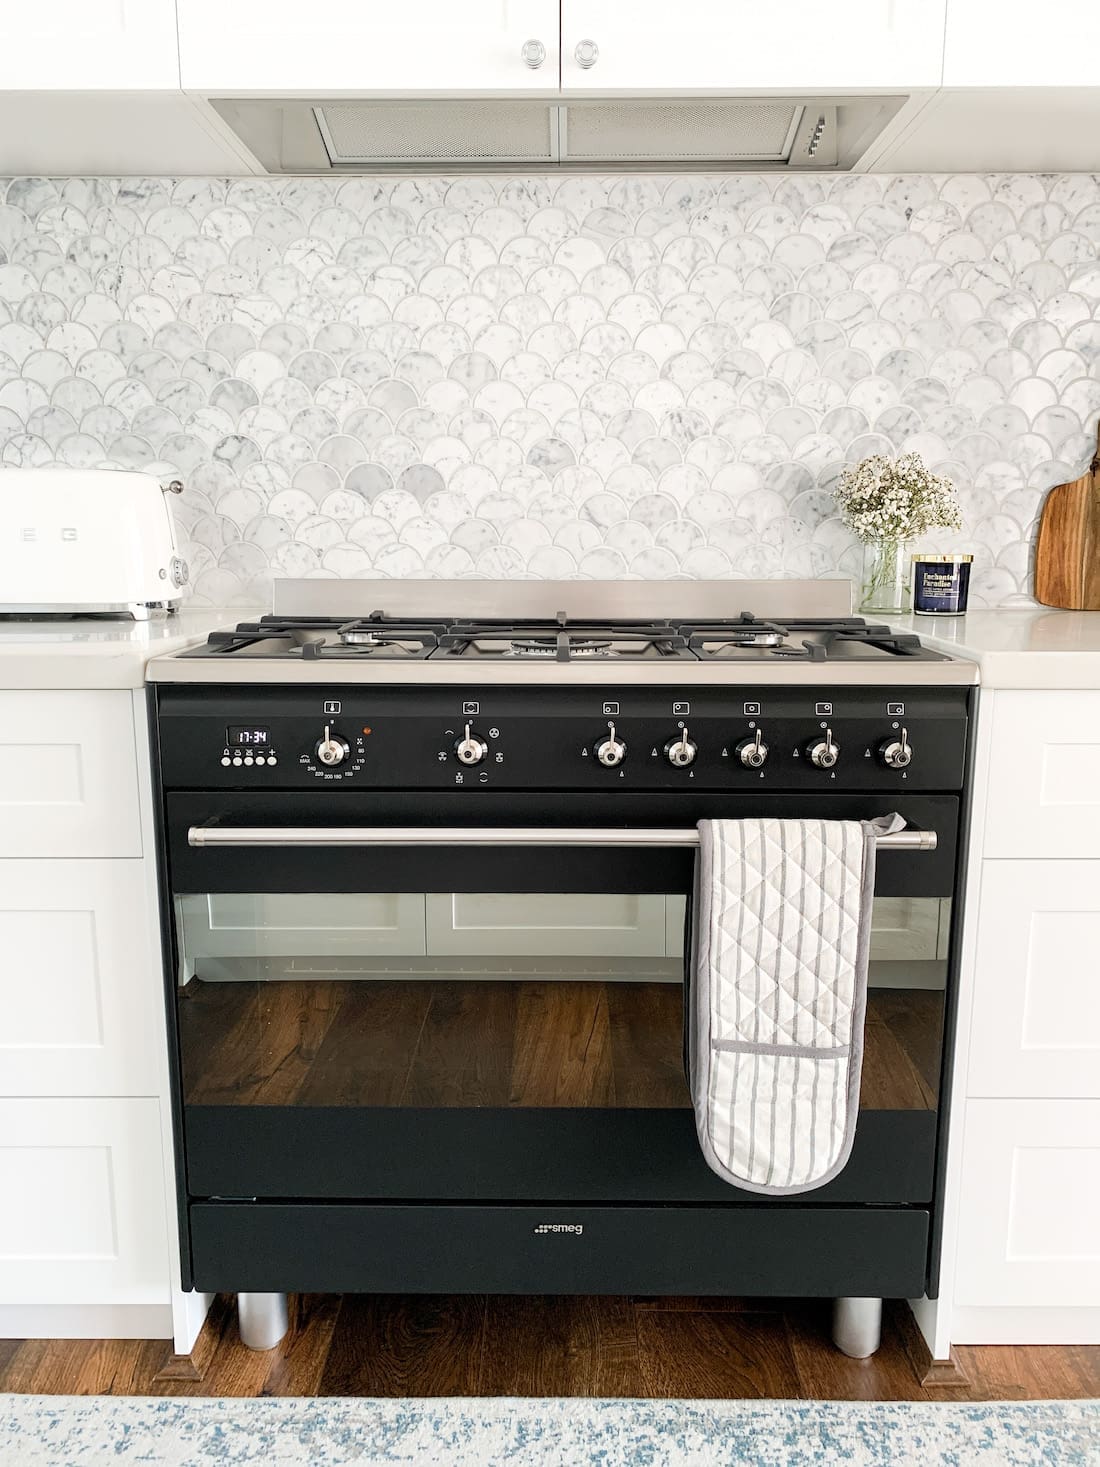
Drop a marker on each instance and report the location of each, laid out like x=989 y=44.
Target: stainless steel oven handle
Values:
x=458 y=835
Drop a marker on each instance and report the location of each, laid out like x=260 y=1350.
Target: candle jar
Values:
x=941 y=584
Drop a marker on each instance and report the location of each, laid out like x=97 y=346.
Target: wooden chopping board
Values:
x=1067 y=554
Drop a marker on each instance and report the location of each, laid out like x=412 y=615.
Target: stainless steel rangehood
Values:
x=304 y=136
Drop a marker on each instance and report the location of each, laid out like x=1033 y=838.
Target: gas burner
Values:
x=310 y=638
x=545 y=647
x=364 y=641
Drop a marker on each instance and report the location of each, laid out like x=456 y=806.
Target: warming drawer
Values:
x=554 y=1250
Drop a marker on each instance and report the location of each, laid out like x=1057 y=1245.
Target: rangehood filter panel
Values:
x=771 y=133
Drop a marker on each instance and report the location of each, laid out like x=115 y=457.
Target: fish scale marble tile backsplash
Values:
x=514 y=376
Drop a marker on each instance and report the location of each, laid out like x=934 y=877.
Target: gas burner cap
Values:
x=542 y=647
x=752 y=639
x=367 y=639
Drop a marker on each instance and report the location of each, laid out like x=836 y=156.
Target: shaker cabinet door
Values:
x=990 y=44
x=1044 y=776
x=68 y=774
x=704 y=46
x=80 y=980
x=1035 y=1029
x=88 y=46
x=84 y=1217
x=286 y=48
x=1029 y=1203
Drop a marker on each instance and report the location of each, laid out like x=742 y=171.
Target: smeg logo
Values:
x=575 y=1228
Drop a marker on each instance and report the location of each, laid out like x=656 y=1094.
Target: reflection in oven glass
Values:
x=493 y=1000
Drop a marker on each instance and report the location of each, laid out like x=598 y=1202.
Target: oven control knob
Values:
x=612 y=750
x=470 y=749
x=823 y=752
x=753 y=753
x=681 y=752
x=332 y=749
x=897 y=753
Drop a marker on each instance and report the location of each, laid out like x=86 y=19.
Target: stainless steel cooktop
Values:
x=674 y=632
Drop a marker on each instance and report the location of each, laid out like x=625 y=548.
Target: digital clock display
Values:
x=249 y=738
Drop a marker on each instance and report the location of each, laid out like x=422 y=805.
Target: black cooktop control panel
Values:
x=531 y=738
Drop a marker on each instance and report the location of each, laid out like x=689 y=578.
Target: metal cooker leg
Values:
x=857 y=1326
x=262 y=1320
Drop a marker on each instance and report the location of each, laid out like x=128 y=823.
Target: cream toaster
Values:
x=88 y=540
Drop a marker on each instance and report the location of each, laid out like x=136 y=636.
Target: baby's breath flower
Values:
x=896 y=499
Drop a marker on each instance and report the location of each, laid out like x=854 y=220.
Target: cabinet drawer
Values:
x=1044 y=776
x=84 y=1220
x=1029 y=1203
x=80 y=980
x=68 y=775
x=1036 y=1019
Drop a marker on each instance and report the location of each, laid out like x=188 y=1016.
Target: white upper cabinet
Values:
x=88 y=46
x=417 y=47
x=990 y=44
x=745 y=45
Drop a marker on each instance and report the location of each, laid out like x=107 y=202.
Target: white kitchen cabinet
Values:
x=1044 y=776
x=421 y=47
x=990 y=44
x=1030 y=1204
x=1036 y=1015
x=701 y=46
x=79 y=992
x=587 y=924
x=88 y=45
x=83 y=1220
x=68 y=774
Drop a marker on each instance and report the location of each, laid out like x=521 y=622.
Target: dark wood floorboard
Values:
x=430 y=1345
x=731 y=1354
x=415 y=1345
x=554 y=1346
x=479 y=1042
x=1020 y=1373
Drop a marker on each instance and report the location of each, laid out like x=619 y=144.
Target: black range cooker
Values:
x=426 y=871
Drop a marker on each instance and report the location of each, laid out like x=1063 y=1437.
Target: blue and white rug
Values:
x=56 y=1431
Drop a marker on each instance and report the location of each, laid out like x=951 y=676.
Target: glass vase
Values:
x=886 y=584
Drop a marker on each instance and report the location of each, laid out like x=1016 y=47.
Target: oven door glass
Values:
x=493 y=999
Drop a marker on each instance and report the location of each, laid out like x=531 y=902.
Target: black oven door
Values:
x=457 y=1022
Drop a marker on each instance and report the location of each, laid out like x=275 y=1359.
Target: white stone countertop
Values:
x=97 y=652
x=1019 y=647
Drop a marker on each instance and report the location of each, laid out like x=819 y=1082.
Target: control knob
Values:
x=753 y=753
x=823 y=752
x=332 y=749
x=470 y=749
x=897 y=753
x=611 y=750
x=681 y=752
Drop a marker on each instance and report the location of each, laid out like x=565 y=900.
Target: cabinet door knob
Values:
x=586 y=54
x=533 y=54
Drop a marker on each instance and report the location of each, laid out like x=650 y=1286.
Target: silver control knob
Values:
x=897 y=753
x=612 y=750
x=681 y=752
x=823 y=752
x=332 y=749
x=470 y=749
x=753 y=753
